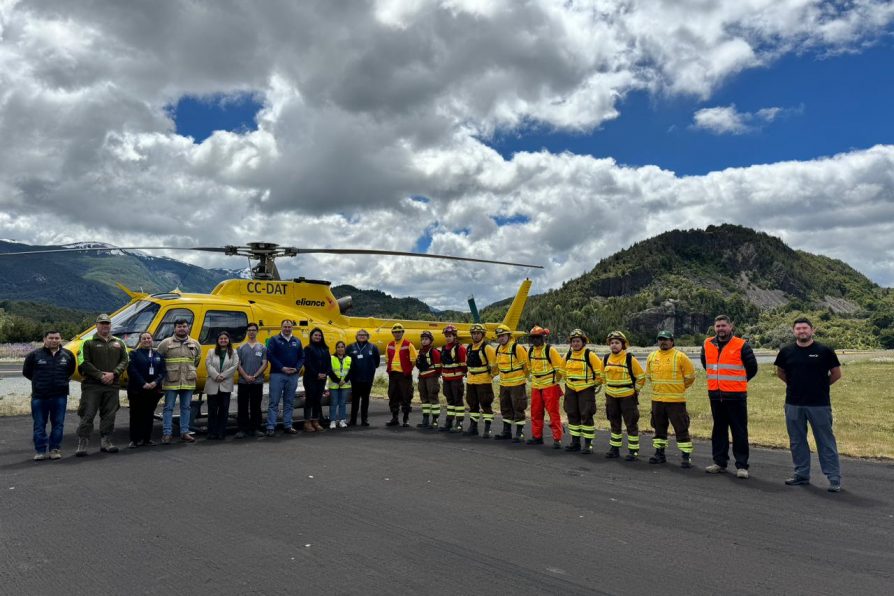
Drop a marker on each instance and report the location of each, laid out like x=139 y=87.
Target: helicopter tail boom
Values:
x=513 y=315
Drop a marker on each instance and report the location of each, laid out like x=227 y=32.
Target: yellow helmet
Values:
x=617 y=335
x=397 y=327
x=580 y=334
x=503 y=330
x=477 y=328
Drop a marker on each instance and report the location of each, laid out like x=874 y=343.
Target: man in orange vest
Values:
x=730 y=363
x=546 y=369
x=399 y=365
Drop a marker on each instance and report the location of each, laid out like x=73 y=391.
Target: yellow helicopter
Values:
x=267 y=300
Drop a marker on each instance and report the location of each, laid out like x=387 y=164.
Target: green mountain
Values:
x=681 y=279
x=86 y=280
x=374 y=303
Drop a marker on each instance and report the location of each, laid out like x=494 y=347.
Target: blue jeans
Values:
x=167 y=423
x=820 y=419
x=282 y=387
x=52 y=409
x=338 y=398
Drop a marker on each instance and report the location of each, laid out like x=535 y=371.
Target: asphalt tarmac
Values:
x=382 y=511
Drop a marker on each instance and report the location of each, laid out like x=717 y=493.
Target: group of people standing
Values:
x=169 y=371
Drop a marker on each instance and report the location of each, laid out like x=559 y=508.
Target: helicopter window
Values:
x=128 y=324
x=166 y=327
x=233 y=322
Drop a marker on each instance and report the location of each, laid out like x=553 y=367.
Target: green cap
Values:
x=103 y=319
x=665 y=334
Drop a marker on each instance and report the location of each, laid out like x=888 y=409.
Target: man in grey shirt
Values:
x=252 y=363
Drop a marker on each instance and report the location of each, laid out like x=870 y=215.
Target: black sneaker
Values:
x=834 y=487
x=269 y=433
x=797 y=480
x=534 y=441
x=392 y=422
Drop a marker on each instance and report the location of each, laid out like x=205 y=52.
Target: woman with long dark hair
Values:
x=339 y=386
x=221 y=363
x=145 y=372
x=317 y=365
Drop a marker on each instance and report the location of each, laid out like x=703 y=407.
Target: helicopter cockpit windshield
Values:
x=128 y=324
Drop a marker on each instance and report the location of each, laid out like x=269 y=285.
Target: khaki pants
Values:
x=481 y=402
x=429 y=388
x=400 y=393
x=101 y=399
x=513 y=403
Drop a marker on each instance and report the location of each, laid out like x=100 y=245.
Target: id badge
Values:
x=151 y=371
x=257 y=354
x=360 y=357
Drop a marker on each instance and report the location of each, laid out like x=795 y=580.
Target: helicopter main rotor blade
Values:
x=368 y=251
x=109 y=248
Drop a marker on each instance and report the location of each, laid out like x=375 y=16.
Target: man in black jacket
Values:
x=365 y=359
x=49 y=369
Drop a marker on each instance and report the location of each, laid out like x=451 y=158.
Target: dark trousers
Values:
x=142 y=413
x=218 y=413
x=360 y=391
x=248 y=404
x=313 y=399
x=97 y=399
x=400 y=393
x=513 y=403
x=580 y=407
x=480 y=399
x=48 y=409
x=665 y=413
x=626 y=410
x=730 y=415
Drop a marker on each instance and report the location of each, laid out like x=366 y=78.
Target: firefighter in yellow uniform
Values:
x=512 y=362
x=671 y=373
x=481 y=367
x=583 y=380
x=624 y=379
x=547 y=367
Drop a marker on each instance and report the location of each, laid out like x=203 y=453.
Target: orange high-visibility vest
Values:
x=725 y=369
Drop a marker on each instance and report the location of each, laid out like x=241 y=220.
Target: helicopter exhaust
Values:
x=344 y=304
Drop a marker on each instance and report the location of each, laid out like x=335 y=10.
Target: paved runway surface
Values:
x=405 y=512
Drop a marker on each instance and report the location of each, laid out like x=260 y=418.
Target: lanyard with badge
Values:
x=360 y=353
x=151 y=366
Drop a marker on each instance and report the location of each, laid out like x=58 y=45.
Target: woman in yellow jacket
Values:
x=339 y=387
x=512 y=362
x=583 y=379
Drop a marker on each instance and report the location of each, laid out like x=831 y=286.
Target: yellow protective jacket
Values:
x=617 y=378
x=481 y=363
x=341 y=370
x=181 y=360
x=670 y=373
x=512 y=362
x=578 y=374
x=546 y=369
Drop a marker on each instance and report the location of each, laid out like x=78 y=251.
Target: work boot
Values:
x=473 y=429
x=458 y=425
x=308 y=427
x=687 y=461
x=393 y=421
x=534 y=441
x=487 y=434
x=575 y=444
x=506 y=434
x=406 y=423
x=631 y=456
x=448 y=424
x=588 y=447
x=424 y=423
x=317 y=426
x=519 y=434
x=557 y=444
x=81 y=451
x=434 y=423
x=106 y=446
x=613 y=452
x=659 y=457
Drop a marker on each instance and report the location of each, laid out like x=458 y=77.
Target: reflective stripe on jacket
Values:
x=670 y=372
x=341 y=368
x=545 y=368
x=617 y=378
x=512 y=362
x=181 y=359
x=725 y=369
x=481 y=361
x=579 y=376
x=453 y=362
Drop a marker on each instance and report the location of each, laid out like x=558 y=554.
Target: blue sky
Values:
x=831 y=104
